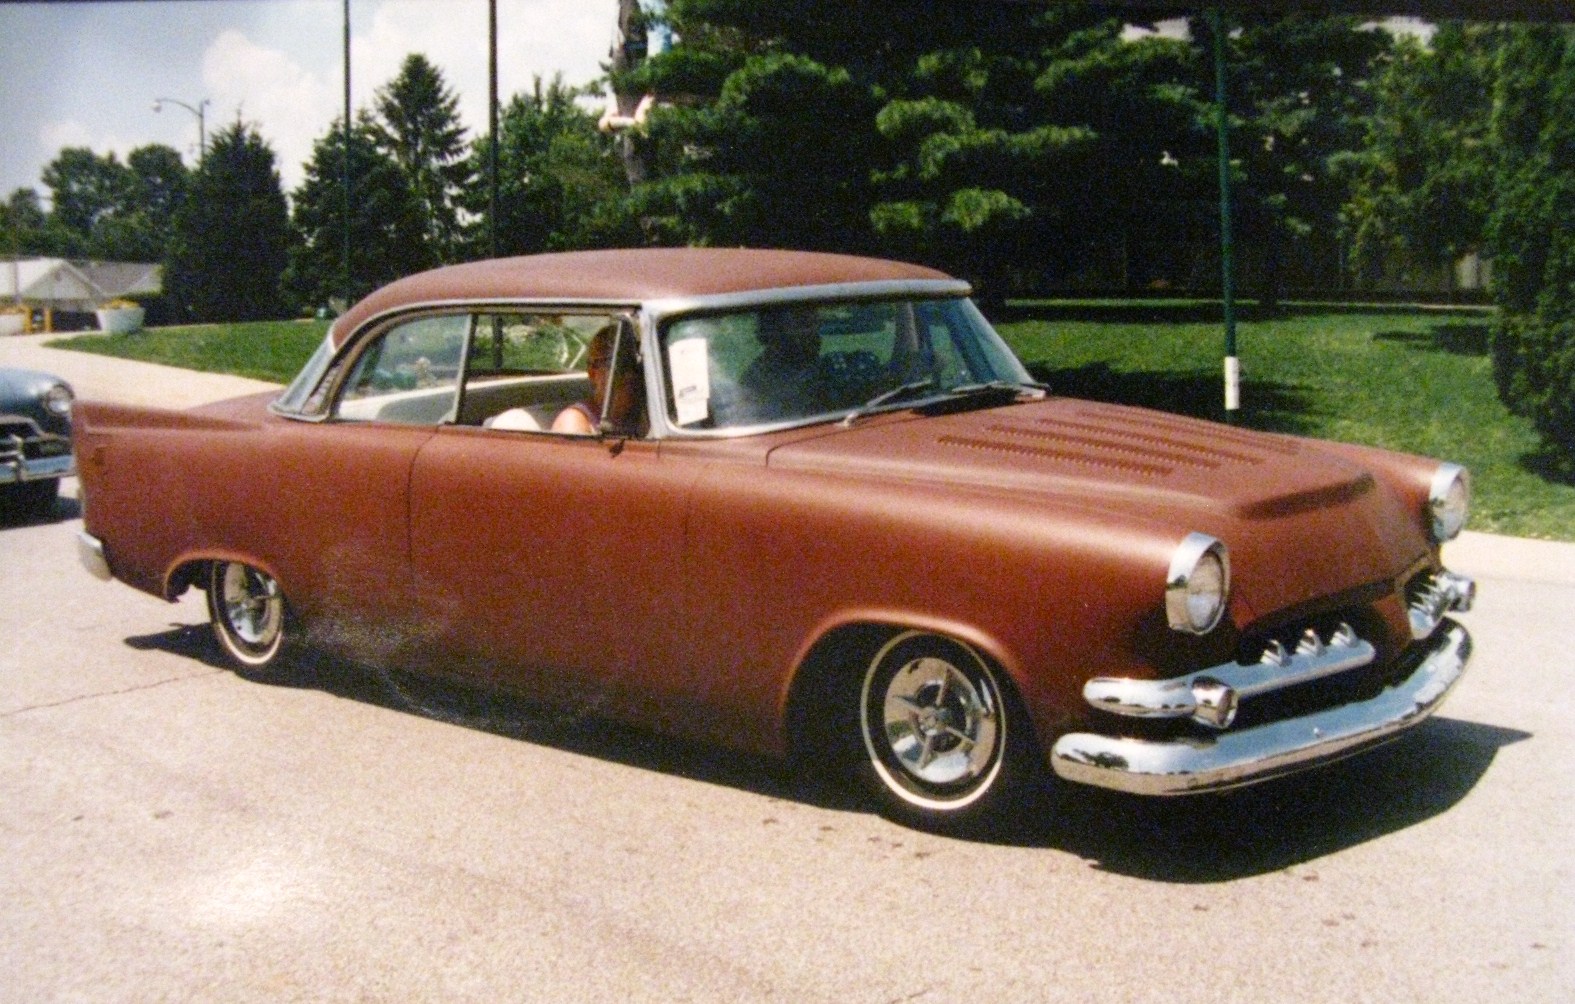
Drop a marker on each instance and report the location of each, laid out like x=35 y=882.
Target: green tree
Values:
x=105 y=209
x=1529 y=235
x=85 y=189
x=140 y=227
x=418 y=124
x=555 y=171
x=1424 y=176
x=25 y=227
x=1300 y=96
x=231 y=238
x=983 y=176
x=769 y=139
x=387 y=228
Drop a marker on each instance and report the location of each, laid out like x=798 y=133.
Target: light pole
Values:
x=202 y=131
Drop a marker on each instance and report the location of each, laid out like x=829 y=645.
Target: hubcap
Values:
x=252 y=605
x=939 y=724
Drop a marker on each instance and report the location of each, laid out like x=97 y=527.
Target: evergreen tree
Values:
x=554 y=169
x=1300 y=96
x=387 y=235
x=418 y=124
x=231 y=238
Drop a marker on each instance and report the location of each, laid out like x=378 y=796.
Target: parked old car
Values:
x=35 y=440
x=816 y=507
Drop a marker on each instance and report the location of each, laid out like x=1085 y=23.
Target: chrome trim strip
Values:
x=90 y=551
x=1232 y=759
x=37 y=469
x=1209 y=694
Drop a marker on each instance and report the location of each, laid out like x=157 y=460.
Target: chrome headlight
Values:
x=1197 y=587
x=57 y=399
x=1449 y=501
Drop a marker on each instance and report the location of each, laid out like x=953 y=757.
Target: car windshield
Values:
x=803 y=362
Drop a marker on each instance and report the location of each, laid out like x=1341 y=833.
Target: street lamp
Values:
x=202 y=132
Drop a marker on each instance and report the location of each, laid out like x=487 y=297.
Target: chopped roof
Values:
x=628 y=276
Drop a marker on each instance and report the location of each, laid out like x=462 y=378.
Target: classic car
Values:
x=35 y=439
x=814 y=507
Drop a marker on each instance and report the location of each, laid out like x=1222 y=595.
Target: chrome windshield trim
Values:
x=891 y=289
x=1232 y=759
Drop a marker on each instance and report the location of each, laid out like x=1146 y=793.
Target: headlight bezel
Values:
x=1197 y=586
x=57 y=400
x=1448 y=502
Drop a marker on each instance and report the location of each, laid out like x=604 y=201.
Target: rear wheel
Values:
x=938 y=729
x=247 y=610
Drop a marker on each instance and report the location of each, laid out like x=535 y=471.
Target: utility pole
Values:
x=1227 y=242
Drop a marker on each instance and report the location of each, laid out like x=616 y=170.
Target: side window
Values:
x=409 y=374
x=527 y=370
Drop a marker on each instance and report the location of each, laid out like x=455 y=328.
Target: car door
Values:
x=338 y=491
x=550 y=562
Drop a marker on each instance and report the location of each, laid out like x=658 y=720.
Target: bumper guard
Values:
x=1245 y=756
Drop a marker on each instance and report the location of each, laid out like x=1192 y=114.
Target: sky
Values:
x=88 y=73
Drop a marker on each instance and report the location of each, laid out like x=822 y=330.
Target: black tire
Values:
x=941 y=735
x=248 y=613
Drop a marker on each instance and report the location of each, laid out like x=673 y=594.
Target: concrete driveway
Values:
x=174 y=833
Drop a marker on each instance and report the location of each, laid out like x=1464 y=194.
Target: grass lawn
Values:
x=269 y=350
x=1408 y=379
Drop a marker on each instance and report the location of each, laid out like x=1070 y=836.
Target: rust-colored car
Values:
x=813 y=506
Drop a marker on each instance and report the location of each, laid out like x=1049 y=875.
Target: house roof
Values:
x=62 y=284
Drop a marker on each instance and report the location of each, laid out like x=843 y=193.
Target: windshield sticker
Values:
x=691 y=380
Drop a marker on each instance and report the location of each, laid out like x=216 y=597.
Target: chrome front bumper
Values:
x=16 y=468
x=1229 y=759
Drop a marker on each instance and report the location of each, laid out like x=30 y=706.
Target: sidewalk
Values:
x=104 y=378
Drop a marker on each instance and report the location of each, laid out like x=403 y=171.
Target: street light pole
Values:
x=199 y=111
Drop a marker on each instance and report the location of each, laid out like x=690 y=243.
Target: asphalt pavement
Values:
x=172 y=832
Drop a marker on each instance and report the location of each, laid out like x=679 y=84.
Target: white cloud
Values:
x=56 y=136
x=290 y=105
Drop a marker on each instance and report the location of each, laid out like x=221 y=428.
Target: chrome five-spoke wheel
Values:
x=934 y=724
x=247 y=610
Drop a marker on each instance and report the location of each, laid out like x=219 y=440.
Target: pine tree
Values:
x=232 y=236
x=418 y=124
x=386 y=237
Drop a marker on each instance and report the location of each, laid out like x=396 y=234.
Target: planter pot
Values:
x=121 y=320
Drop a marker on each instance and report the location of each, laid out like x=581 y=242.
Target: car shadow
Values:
x=1271 y=826
x=1199 y=839
x=1268 y=405
x=64 y=508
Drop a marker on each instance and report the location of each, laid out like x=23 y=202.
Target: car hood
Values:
x=1291 y=510
x=18 y=387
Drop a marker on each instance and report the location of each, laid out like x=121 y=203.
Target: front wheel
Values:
x=247 y=610
x=939 y=730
